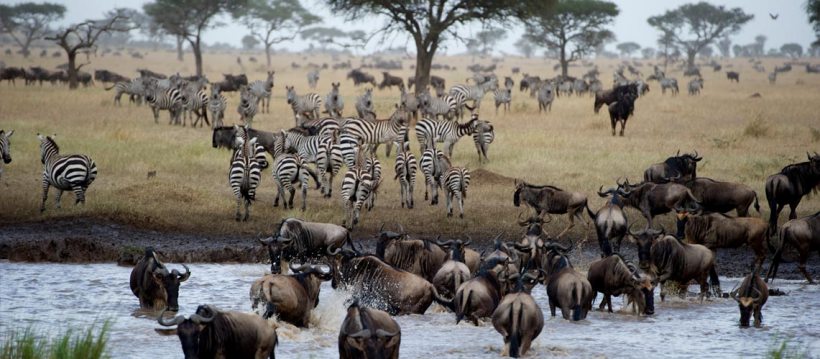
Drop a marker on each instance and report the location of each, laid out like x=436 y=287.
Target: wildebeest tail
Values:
x=576 y=302
x=112 y=86
x=463 y=306
x=514 y=330
x=448 y=303
x=590 y=212
x=757 y=205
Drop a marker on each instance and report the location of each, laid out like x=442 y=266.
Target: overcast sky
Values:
x=630 y=25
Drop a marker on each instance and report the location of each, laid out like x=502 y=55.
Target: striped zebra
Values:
x=364 y=105
x=430 y=130
x=670 y=83
x=444 y=105
x=483 y=137
x=322 y=125
x=374 y=167
x=454 y=181
x=244 y=175
x=259 y=155
x=406 y=168
x=72 y=172
x=475 y=93
x=261 y=90
x=287 y=170
x=172 y=100
x=410 y=103
x=432 y=173
x=247 y=106
x=502 y=97
x=197 y=102
x=300 y=141
x=357 y=132
x=334 y=105
x=356 y=187
x=313 y=78
x=306 y=104
x=546 y=95
x=135 y=89
x=5 y=148
x=217 y=104
x=329 y=160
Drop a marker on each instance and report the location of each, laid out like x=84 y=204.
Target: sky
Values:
x=630 y=25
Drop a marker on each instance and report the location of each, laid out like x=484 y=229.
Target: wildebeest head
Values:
x=813 y=160
x=644 y=288
x=644 y=240
x=750 y=294
x=4 y=145
x=289 y=232
x=385 y=237
x=454 y=248
x=189 y=329
x=171 y=281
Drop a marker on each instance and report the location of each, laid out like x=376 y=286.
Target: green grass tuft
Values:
x=781 y=349
x=74 y=343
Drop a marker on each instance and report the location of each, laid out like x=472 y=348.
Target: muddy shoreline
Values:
x=94 y=241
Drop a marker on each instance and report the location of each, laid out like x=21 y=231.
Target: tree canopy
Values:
x=813 y=10
x=267 y=18
x=26 y=22
x=628 y=48
x=792 y=49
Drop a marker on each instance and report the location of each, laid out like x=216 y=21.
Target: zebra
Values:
x=309 y=103
x=432 y=173
x=565 y=88
x=430 y=130
x=410 y=103
x=356 y=187
x=373 y=166
x=695 y=85
x=197 y=101
x=247 y=106
x=406 y=167
x=299 y=140
x=261 y=90
x=329 y=160
x=5 y=148
x=546 y=95
x=475 y=93
x=357 y=132
x=772 y=77
x=322 y=125
x=483 y=137
x=259 y=155
x=313 y=78
x=170 y=99
x=502 y=97
x=244 y=175
x=445 y=106
x=670 y=83
x=72 y=172
x=287 y=169
x=217 y=104
x=454 y=181
x=364 y=105
x=135 y=89
x=334 y=105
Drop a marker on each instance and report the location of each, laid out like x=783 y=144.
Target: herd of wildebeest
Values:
x=406 y=275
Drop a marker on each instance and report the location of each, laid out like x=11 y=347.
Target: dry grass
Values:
x=570 y=147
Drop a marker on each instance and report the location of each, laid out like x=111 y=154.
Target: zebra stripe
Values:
x=357 y=132
x=364 y=105
x=356 y=187
x=5 y=148
x=198 y=105
x=261 y=90
x=217 y=105
x=172 y=100
x=73 y=172
x=475 y=93
x=502 y=97
x=259 y=155
x=329 y=160
x=445 y=106
x=374 y=167
x=546 y=95
x=135 y=89
x=247 y=106
x=244 y=175
x=287 y=169
x=455 y=181
x=305 y=104
x=305 y=145
x=334 y=105
x=432 y=173
x=406 y=168
x=482 y=138
x=430 y=130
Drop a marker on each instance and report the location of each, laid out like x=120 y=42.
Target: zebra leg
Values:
x=449 y=204
x=279 y=193
x=435 y=187
x=45 y=195
x=292 y=192
x=389 y=148
x=426 y=185
x=57 y=198
x=247 y=210
x=156 y=114
x=304 y=194
x=238 y=207
x=460 y=205
x=410 y=196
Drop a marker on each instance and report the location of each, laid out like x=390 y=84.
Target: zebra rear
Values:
x=287 y=170
x=72 y=172
x=356 y=188
x=244 y=175
x=455 y=181
x=5 y=148
x=406 y=168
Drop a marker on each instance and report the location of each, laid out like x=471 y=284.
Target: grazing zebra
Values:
x=475 y=93
x=356 y=187
x=454 y=181
x=5 y=148
x=546 y=96
x=173 y=100
x=247 y=106
x=135 y=89
x=244 y=175
x=217 y=104
x=695 y=85
x=261 y=90
x=334 y=105
x=373 y=166
x=483 y=137
x=670 y=83
x=306 y=104
x=357 y=132
x=410 y=103
x=329 y=160
x=364 y=105
x=406 y=168
x=502 y=97
x=287 y=169
x=313 y=78
x=432 y=173
x=72 y=172
x=445 y=105
x=773 y=77
x=430 y=130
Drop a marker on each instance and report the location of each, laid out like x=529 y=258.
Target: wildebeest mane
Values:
x=224 y=331
x=800 y=173
x=668 y=256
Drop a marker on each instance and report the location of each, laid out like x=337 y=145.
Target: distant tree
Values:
x=738 y=50
x=573 y=27
x=759 y=45
x=489 y=37
x=666 y=46
x=648 y=53
x=525 y=47
x=725 y=47
x=429 y=22
x=628 y=48
x=249 y=42
x=26 y=22
x=267 y=18
x=813 y=10
x=814 y=49
x=705 y=21
x=792 y=49
x=118 y=38
x=600 y=48
x=188 y=19
x=83 y=37
x=326 y=36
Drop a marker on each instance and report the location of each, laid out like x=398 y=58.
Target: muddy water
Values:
x=53 y=295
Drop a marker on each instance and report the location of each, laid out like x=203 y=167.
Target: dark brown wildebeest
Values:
x=567 y=288
x=454 y=271
x=390 y=81
x=109 y=76
x=359 y=77
x=416 y=256
x=551 y=199
x=519 y=319
x=302 y=240
x=732 y=75
x=379 y=285
x=213 y=333
x=610 y=96
x=290 y=297
x=802 y=234
x=668 y=259
x=717 y=230
x=621 y=109
x=503 y=251
x=232 y=83
x=751 y=294
x=613 y=276
x=531 y=245
x=679 y=168
x=478 y=297
x=789 y=186
x=652 y=199
x=368 y=333
x=717 y=196
x=272 y=142
x=610 y=221
x=11 y=73
x=156 y=287
x=149 y=73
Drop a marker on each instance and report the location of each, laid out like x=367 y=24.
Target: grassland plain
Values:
x=742 y=139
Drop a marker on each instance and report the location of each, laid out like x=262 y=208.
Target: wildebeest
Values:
x=692 y=71
x=607 y=97
x=302 y=240
x=390 y=81
x=623 y=107
x=232 y=83
x=368 y=333
x=11 y=73
x=155 y=286
x=416 y=256
x=732 y=75
x=551 y=199
x=290 y=297
x=108 y=76
x=751 y=294
x=435 y=81
x=668 y=259
x=381 y=286
x=566 y=287
x=717 y=196
x=454 y=271
x=790 y=185
x=652 y=199
x=149 y=73
x=213 y=333
x=679 y=168
x=519 y=319
x=272 y=142
x=801 y=234
x=478 y=297
x=613 y=276
x=359 y=77
x=610 y=221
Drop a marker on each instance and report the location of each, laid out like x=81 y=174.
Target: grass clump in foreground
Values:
x=74 y=343
x=781 y=350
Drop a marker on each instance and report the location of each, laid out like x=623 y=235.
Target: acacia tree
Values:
x=628 y=48
x=813 y=10
x=666 y=43
x=648 y=53
x=83 y=36
x=488 y=37
x=27 y=22
x=574 y=28
x=759 y=45
x=792 y=49
x=265 y=18
x=725 y=47
x=188 y=19
x=430 y=22
x=525 y=47
x=705 y=21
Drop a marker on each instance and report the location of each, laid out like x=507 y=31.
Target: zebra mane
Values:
x=51 y=141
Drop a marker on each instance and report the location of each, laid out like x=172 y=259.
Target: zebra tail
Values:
x=112 y=86
x=312 y=173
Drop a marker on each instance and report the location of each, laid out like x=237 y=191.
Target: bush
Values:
x=757 y=128
x=72 y=344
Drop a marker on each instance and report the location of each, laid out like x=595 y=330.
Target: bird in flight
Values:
x=774 y=16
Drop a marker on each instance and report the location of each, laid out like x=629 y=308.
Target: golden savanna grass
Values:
x=742 y=139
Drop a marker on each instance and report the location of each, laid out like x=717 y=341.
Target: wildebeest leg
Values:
x=681 y=227
x=304 y=195
x=714 y=281
x=623 y=124
x=270 y=310
x=773 y=266
x=775 y=209
x=792 y=209
x=612 y=121
x=552 y=307
x=804 y=256
x=704 y=285
x=571 y=224
x=663 y=290
x=758 y=317
x=608 y=299
x=566 y=312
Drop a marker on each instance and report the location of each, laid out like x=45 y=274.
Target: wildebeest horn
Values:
x=632 y=233
x=282 y=239
x=401 y=229
x=444 y=243
x=169 y=323
x=381 y=333
x=266 y=241
x=757 y=297
x=696 y=157
x=678 y=154
x=198 y=319
x=186 y=275
x=298 y=268
x=602 y=193
x=381 y=228
x=360 y=334
x=334 y=252
x=468 y=241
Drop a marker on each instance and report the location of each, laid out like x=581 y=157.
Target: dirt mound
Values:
x=482 y=176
